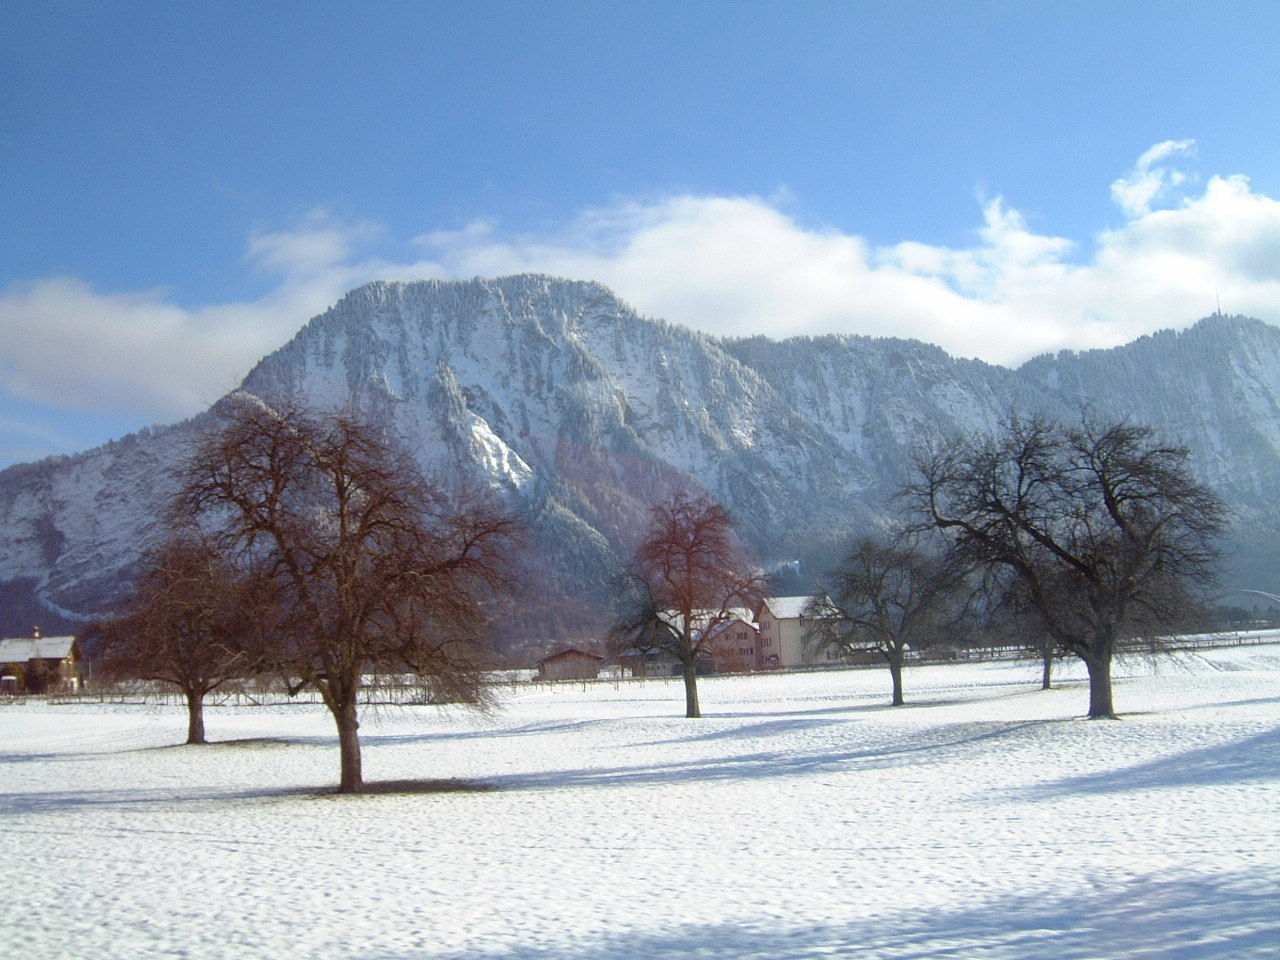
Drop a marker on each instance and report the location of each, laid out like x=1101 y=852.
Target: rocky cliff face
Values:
x=1214 y=388
x=582 y=413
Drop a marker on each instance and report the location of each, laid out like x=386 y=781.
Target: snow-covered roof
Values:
x=786 y=608
x=704 y=618
x=22 y=649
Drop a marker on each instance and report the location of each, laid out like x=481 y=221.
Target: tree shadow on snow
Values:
x=244 y=743
x=913 y=748
x=1224 y=917
x=879 y=704
x=247 y=742
x=438 y=736
x=65 y=801
x=910 y=748
x=18 y=757
x=1250 y=760
x=779 y=722
x=54 y=802
x=383 y=787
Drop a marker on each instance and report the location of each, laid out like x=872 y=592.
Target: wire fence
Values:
x=406 y=690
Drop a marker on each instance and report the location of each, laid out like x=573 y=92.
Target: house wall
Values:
x=69 y=674
x=782 y=638
x=737 y=648
x=569 y=668
x=60 y=676
x=770 y=648
x=791 y=642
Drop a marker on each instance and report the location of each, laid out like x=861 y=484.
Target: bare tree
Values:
x=1012 y=617
x=690 y=578
x=1102 y=526
x=1010 y=621
x=886 y=598
x=374 y=568
x=190 y=623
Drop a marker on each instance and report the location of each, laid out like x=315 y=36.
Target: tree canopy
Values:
x=886 y=597
x=192 y=622
x=689 y=578
x=373 y=567
x=1101 y=525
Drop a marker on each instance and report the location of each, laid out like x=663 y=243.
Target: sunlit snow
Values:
x=802 y=817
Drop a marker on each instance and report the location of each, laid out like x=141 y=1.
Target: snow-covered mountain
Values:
x=582 y=413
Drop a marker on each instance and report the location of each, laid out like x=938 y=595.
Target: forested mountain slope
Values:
x=581 y=413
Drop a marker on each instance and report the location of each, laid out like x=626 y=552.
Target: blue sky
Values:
x=184 y=185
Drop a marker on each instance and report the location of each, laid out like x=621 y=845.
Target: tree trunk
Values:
x=1048 y=647
x=195 y=716
x=349 y=743
x=895 y=671
x=1100 y=707
x=691 y=690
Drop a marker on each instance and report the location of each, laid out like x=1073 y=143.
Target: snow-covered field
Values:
x=800 y=818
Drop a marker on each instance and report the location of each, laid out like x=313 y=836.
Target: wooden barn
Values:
x=569 y=665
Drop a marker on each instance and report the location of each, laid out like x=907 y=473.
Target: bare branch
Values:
x=1103 y=528
x=374 y=569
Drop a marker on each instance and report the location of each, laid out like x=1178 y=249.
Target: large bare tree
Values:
x=886 y=598
x=374 y=568
x=690 y=578
x=1104 y=529
x=190 y=623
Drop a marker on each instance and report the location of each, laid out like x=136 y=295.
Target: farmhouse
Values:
x=635 y=662
x=730 y=640
x=738 y=641
x=39 y=664
x=735 y=644
x=782 y=635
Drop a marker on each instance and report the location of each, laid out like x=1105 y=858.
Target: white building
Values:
x=782 y=626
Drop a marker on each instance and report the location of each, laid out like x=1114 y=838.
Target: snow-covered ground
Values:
x=800 y=818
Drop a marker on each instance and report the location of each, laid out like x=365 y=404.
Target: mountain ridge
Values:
x=581 y=412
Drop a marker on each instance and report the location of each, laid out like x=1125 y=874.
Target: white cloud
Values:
x=727 y=265
x=319 y=244
x=739 y=265
x=1148 y=180
x=68 y=346
x=72 y=347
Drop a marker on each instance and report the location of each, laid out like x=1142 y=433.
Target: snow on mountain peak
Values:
x=563 y=399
